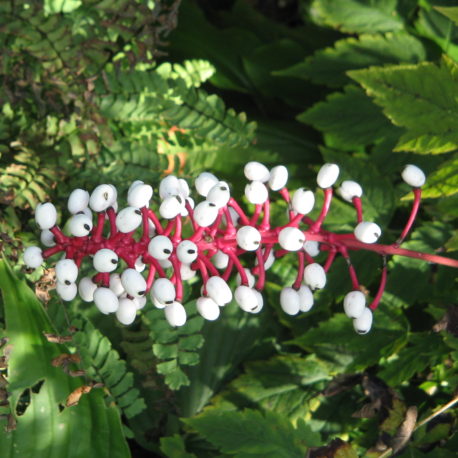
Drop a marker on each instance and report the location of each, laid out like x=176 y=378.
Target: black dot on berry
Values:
x=80 y=213
x=191 y=251
x=141 y=293
x=223 y=188
x=114 y=261
x=180 y=200
x=256 y=242
x=211 y=204
x=105 y=195
x=87 y=227
x=67 y=282
x=254 y=308
x=138 y=212
x=169 y=302
x=166 y=251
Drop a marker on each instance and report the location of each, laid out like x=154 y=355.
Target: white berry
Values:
x=186 y=272
x=354 y=304
x=220 y=260
x=208 y=308
x=86 y=289
x=219 y=194
x=367 y=232
x=67 y=292
x=116 y=284
x=106 y=300
x=80 y=225
x=128 y=219
x=255 y=171
x=218 y=290
x=315 y=276
x=291 y=238
x=289 y=301
x=103 y=197
x=33 y=257
x=248 y=238
x=204 y=182
x=140 y=195
x=278 y=177
x=47 y=238
x=312 y=247
x=171 y=207
x=256 y=192
x=164 y=290
x=303 y=201
x=175 y=314
x=363 y=323
x=305 y=298
x=78 y=201
x=246 y=298
x=126 y=311
x=205 y=213
x=46 y=215
x=133 y=282
x=250 y=278
x=327 y=175
x=105 y=260
x=187 y=252
x=350 y=189
x=160 y=247
x=413 y=176
x=66 y=271
x=169 y=186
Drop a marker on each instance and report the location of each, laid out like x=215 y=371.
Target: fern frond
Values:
x=104 y=364
x=175 y=348
x=146 y=96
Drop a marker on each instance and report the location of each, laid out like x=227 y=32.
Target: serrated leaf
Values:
x=358 y=16
x=449 y=11
x=268 y=435
x=348 y=119
x=336 y=342
x=328 y=66
x=443 y=182
x=420 y=98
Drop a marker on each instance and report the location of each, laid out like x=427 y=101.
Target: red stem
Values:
x=381 y=288
x=354 y=279
x=358 y=207
x=328 y=192
x=300 y=269
x=177 y=274
x=232 y=203
x=413 y=215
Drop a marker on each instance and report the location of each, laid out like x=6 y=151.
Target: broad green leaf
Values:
x=420 y=98
x=89 y=429
x=424 y=350
x=328 y=66
x=250 y=433
x=174 y=447
x=348 y=119
x=281 y=384
x=449 y=11
x=358 y=16
x=336 y=342
x=61 y=6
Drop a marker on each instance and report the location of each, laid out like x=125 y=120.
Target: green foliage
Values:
x=267 y=435
x=175 y=347
x=119 y=90
x=37 y=390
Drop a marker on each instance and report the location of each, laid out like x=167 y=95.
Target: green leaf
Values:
x=420 y=98
x=443 y=182
x=358 y=16
x=424 y=350
x=174 y=447
x=328 y=66
x=281 y=384
x=250 y=434
x=61 y=6
x=336 y=342
x=42 y=430
x=449 y=11
x=348 y=120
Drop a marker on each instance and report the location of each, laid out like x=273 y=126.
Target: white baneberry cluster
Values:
x=157 y=264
